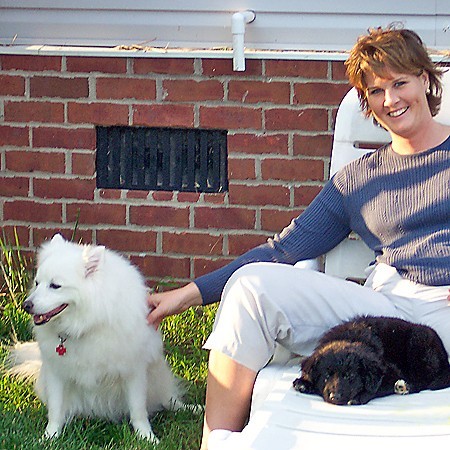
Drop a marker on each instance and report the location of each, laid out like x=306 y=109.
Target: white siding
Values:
x=279 y=25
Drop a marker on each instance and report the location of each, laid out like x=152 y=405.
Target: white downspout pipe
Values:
x=238 y=22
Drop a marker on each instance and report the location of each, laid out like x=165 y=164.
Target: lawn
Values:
x=23 y=416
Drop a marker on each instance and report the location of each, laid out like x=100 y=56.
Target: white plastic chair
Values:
x=283 y=419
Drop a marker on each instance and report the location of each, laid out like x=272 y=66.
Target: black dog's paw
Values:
x=401 y=387
x=303 y=386
x=361 y=399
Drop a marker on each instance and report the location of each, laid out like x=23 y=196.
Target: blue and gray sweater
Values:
x=398 y=204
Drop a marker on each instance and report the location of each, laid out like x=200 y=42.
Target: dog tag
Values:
x=61 y=349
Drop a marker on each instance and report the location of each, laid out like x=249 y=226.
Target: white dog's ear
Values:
x=57 y=238
x=93 y=258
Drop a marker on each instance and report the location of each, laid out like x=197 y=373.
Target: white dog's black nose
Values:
x=28 y=306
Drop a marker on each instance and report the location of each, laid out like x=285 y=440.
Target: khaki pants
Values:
x=267 y=303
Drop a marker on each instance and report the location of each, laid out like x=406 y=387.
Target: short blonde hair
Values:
x=396 y=49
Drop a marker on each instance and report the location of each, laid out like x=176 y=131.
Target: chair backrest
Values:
x=354 y=136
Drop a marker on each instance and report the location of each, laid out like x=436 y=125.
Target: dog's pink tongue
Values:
x=40 y=319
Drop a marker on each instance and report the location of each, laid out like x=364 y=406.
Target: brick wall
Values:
x=279 y=115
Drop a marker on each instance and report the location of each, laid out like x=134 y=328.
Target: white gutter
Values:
x=157 y=52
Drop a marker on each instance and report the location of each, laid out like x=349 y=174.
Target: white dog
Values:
x=99 y=356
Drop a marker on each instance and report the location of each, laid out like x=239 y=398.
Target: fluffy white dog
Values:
x=99 y=356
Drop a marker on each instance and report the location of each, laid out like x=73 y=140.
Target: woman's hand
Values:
x=172 y=302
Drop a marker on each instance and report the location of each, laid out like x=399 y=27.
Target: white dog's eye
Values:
x=54 y=286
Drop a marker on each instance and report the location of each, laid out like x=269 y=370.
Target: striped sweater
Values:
x=398 y=204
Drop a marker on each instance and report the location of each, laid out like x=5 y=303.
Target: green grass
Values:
x=23 y=416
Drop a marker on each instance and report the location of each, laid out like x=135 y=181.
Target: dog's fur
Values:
x=90 y=303
x=371 y=357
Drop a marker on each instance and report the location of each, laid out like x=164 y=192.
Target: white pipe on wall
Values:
x=238 y=22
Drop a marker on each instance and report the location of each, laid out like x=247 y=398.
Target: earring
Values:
x=428 y=91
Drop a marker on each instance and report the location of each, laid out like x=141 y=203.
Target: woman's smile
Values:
x=398 y=112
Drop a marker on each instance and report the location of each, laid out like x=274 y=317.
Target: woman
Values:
x=397 y=199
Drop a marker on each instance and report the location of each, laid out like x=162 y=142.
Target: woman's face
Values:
x=398 y=102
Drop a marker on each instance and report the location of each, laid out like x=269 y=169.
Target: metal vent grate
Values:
x=169 y=159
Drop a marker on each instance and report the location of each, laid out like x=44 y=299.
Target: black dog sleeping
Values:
x=370 y=357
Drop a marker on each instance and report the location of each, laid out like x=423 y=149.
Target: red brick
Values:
x=241 y=169
x=170 y=66
x=319 y=93
x=259 y=195
x=259 y=92
x=202 y=266
x=33 y=63
x=297 y=119
x=317 y=145
x=31 y=161
x=239 y=244
x=64 y=188
x=163 y=196
x=17 y=136
x=164 y=115
x=119 y=88
x=192 y=243
x=81 y=138
x=32 y=211
x=128 y=240
x=93 y=64
x=162 y=266
x=338 y=71
x=219 y=67
x=188 y=197
x=41 y=235
x=304 y=195
x=59 y=87
x=275 y=220
x=110 y=194
x=154 y=216
x=12 y=85
x=216 y=198
x=292 y=169
x=229 y=117
x=98 y=113
x=290 y=68
x=97 y=213
x=137 y=194
x=192 y=90
x=34 y=112
x=83 y=164
x=258 y=143
x=224 y=218
x=14 y=187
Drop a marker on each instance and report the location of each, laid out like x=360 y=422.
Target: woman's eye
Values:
x=399 y=83
x=54 y=286
x=374 y=91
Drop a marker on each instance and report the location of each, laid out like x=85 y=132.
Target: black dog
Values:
x=370 y=357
